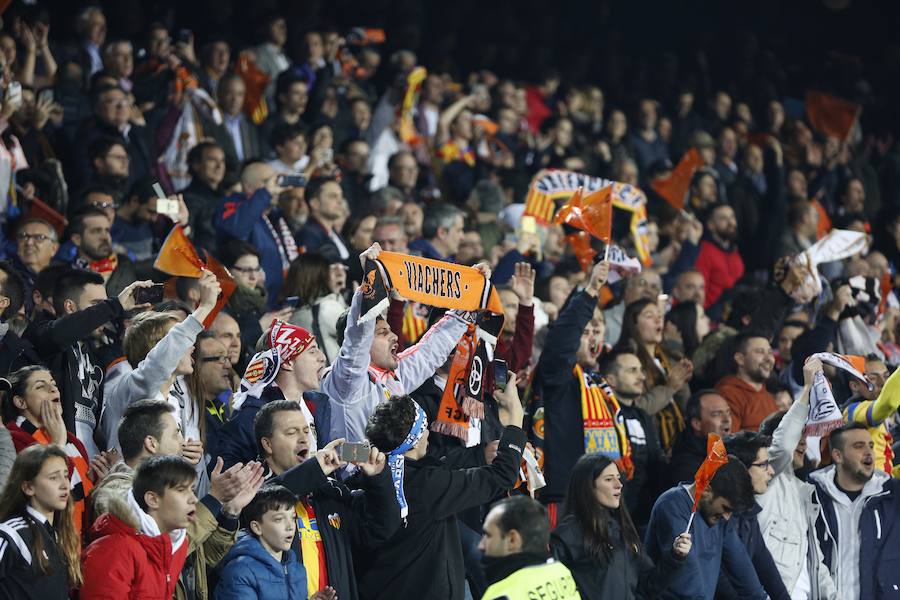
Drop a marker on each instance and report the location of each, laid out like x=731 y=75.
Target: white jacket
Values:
x=355 y=387
x=845 y=565
x=787 y=520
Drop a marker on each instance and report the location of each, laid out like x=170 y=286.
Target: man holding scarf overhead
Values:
x=368 y=369
x=424 y=557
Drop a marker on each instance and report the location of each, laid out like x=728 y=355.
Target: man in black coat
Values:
x=424 y=558
x=15 y=352
x=706 y=412
x=360 y=515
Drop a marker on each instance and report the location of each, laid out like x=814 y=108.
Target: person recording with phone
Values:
x=252 y=215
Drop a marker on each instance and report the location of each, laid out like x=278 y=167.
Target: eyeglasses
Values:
x=37 y=238
x=247 y=270
x=762 y=465
x=105 y=204
x=224 y=360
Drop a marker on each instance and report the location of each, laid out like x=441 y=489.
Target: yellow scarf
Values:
x=604 y=426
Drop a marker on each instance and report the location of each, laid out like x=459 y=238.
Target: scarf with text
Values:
x=603 y=424
x=397 y=462
x=433 y=282
x=824 y=414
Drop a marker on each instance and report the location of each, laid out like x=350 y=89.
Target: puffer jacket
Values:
x=356 y=387
x=788 y=517
x=249 y=571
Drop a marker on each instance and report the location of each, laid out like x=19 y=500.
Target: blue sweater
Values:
x=712 y=548
x=249 y=572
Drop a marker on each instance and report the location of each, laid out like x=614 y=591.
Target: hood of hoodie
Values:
x=251 y=548
x=825 y=478
x=113 y=498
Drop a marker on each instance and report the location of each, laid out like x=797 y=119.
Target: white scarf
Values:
x=150 y=527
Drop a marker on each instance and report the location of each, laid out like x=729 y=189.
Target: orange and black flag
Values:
x=831 y=115
x=674 y=188
x=716 y=456
x=179 y=258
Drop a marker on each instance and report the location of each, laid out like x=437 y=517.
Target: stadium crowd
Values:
x=201 y=399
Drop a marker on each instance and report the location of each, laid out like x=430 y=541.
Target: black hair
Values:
x=581 y=503
x=771 y=423
x=285 y=133
x=315 y=185
x=732 y=482
x=14 y=384
x=100 y=147
x=745 y=445
x=684 y=317
x=390 y=422
x=159 y=473
x=340 y=326
x=13 y=287
x=232 y=252
x=195 y=155
x=692 y=409
x=609 y=361
x=264 y=421
x=184 y=285
x=836 y=440
x=268 y=498
x=141 y=418
x=529 y=518
x=284 y=82
x=76 y=226
x=70 y=285
x=398 y=155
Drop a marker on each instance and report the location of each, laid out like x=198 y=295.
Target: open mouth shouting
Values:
x=394 y=348
x=303 y=452
x=191 y=516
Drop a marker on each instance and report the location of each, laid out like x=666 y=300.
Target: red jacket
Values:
x=121 y=563
x=720 y=268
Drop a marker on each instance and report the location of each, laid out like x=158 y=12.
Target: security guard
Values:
x=517 y=562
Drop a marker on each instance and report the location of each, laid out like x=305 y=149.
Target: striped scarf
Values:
x=604 y=426
x=284 y=240
x=669 y=420
x=414 y=323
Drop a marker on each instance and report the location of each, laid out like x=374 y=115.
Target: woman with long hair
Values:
x=39 y=546
x=33 y=415
x=666 y=385
x=597 y=541
x=687 y=322
x=318 y=308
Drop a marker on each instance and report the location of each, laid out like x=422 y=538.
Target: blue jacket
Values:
x=713 y=548
x=239 y=217
x=236 y=441
x=250 y=572
x=314 y=238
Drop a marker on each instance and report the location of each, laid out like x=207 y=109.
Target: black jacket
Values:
x=747 y=528
x=55 y=339
x=626 y=576
x=649 y=463
x=202 y=201
x=688 y=453
x=424 y=559
x=15 y=353
x=360 y=520
x=560 y=392
x=20 y=577
x=314 y=237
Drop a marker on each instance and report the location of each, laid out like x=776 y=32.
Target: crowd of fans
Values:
x=161 y=445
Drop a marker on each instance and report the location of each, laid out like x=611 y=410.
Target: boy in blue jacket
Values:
x=262 y=565
x=716 y=543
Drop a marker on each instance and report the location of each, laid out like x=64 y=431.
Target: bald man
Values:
x=252 y=216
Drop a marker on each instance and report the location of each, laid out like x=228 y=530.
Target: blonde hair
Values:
x=145 y=331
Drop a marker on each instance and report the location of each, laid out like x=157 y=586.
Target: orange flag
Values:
x=592 y=213
x=581 y=246
x=255 y=82
x=674 y=188
x=716 y=456
x=178 y=257
x=831 y=115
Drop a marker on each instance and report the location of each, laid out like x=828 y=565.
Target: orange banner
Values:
x=716 y=456
x=674 y=188
x=592 y=214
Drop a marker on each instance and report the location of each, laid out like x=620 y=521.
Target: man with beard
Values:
x=90 y=234
x=625 y=376
x=860 y=545
x=326 y=207
x=109 y=165
x=717 y=547
x=706 y=412
x=745 y=391
x=718 y=260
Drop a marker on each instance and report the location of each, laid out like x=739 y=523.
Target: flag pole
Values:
x=606 y=253
x=690 y=522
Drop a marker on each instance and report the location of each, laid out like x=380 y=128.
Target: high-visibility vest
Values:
x=549 y=580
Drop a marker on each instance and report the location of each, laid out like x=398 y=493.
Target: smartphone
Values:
x=354 y=452
x=14 y=94
x=167 y=206
x=149 y=295
x=185 y=36
x=291 y=181
x=292 y=301
x=528 y=224
x=501 y=374
x=45 y=95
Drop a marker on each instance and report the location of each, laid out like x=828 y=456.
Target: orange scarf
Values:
x=80 y=482
x=456 y=404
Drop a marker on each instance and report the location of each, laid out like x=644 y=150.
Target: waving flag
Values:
x=831 y=115
x=716 y=456
x=592 y=214
x=674 y=188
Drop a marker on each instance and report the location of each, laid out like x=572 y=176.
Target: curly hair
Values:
x=390 y=422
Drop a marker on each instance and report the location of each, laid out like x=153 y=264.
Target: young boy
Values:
x=140 y=545
x=262 y=564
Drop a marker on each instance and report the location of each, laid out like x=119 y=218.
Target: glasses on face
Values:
x=247 y=270
x=762 y=465
x=104 y=205
x=37 y=238
x=223 y=359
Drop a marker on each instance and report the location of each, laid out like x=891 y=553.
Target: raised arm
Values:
x=350 y=369
x=788 y=433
